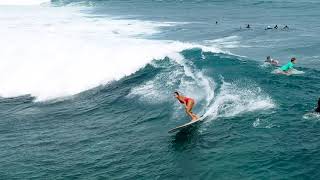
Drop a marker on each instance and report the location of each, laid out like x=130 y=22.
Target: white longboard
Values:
x=292 y=72
x=186 y=125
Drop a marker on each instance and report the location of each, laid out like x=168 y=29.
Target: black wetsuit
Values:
x=318 y=108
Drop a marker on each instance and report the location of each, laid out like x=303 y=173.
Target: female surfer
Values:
x=189 y=103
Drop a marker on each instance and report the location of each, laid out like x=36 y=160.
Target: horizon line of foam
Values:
x=23 y=2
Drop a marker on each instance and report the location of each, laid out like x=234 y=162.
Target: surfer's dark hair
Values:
x=293 y=59
x=177 y=93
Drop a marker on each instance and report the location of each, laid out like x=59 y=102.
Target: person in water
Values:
x=271 y=61
x=318 y=108
x=188 y=103
x=248 y=26
x=286 y=69
x=285 y=28
x=268 y=27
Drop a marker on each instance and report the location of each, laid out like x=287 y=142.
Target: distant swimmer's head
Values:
x=268 y=59
x=293 y=60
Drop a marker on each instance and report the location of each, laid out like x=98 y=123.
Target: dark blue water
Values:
x=257 y=124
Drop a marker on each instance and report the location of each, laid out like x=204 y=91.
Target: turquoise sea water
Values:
x=87 y=90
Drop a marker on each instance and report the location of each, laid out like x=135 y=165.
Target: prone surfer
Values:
x=268 y=27
x=285 y=28
x=189 y=103
x=286 y=69
x=271 y=61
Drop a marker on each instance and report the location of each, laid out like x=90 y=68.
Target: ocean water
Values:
x=86 y=89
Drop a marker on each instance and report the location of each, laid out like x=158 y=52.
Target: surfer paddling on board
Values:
x=189 y=103
x=286 y=69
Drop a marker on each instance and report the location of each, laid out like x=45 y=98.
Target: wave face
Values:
x=86 y=95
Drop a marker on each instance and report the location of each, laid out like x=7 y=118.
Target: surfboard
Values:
x=292 y=72
x=186 y=125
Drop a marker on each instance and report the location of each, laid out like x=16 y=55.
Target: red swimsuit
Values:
x=186 y=100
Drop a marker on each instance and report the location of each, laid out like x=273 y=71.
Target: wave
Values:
x=58 y=52
x=215 y=97
x=63 y=52
x=182 y=76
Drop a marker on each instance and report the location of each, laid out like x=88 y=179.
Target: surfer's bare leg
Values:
x=193 y=117
x=189 y=107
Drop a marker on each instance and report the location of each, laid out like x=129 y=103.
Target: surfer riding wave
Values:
x=189 y=103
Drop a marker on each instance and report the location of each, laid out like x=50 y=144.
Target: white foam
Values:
x=23 y=2
x=228 y=42
x=256 y=123
x=233 y=100
x=263 y=123
x=186 y=79
x=202 y=87
x=53 y=52
x=312 y=115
